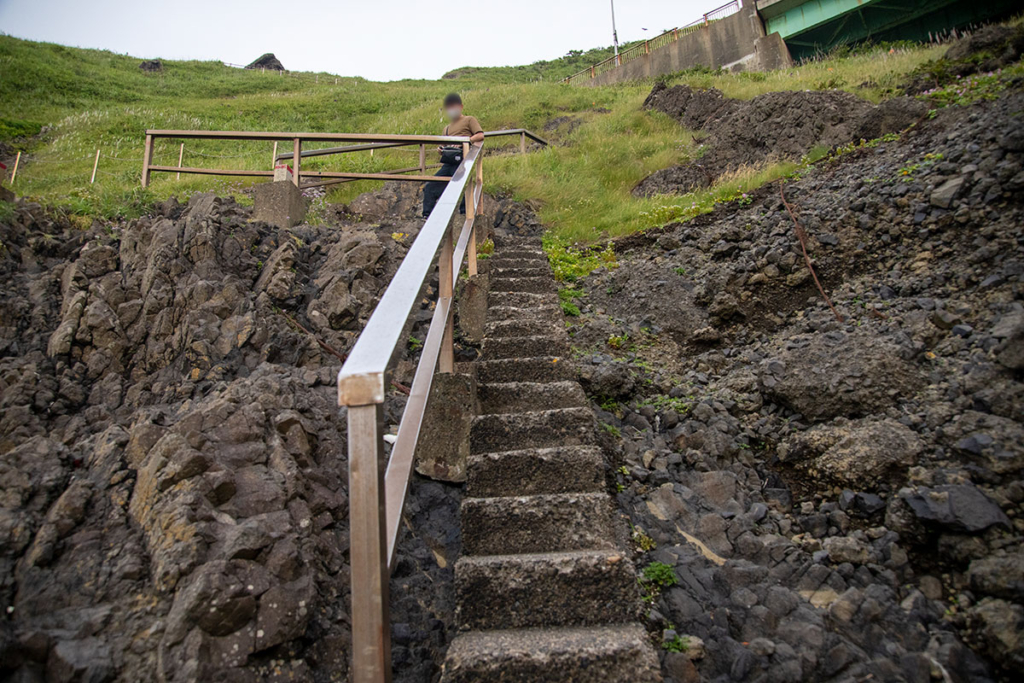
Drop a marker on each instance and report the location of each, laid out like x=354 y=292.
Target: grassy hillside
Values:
x=89 y=100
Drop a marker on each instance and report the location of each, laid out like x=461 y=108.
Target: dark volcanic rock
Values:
x=267 y=61
x=775 y=125
x=152 y=65
x=960 y=507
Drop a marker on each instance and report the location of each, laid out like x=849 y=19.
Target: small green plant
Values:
x=660 y=574
x=485 y=248
x=677 y=644
x=259 y=266
x=679 y=271
x=618 y=341
x=415 y=344
x=644 y=542
x=609 y=404
x=611 y=429
x=566 y=299
x=570 y=263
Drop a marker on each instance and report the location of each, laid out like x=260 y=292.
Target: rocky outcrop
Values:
x=175 y=501
x=266 y=61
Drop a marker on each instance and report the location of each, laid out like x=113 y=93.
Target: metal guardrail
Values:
x=645 y=47
x=363 y=142
x=376 y=496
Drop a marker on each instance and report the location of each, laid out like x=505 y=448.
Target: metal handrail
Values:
x=376 y=496
x=645 y=47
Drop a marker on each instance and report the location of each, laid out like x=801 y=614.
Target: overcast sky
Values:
x=377 y=39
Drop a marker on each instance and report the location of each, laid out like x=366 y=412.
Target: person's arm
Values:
x=477 y=131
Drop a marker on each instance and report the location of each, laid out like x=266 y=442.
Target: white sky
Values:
x=377 y=39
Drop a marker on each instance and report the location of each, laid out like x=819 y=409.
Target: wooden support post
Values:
x=423 y=158
x=147 y=160
x=181 y=155
x=522 y=143
x=95 y=165
x=273 y=156
x=592 y=72
x=369 y=576
x=647 y=47
x=446 y=285
x=14 y=173
x=296 y=160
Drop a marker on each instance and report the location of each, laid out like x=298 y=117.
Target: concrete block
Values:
x=772 y=53
x=471 y=307
x=280 y=204
x=443 y=447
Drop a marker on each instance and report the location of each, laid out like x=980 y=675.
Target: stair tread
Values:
x=597 y=654
x=557 y=469
x=537 y=523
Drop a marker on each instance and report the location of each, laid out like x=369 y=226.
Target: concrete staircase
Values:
x=543 y=592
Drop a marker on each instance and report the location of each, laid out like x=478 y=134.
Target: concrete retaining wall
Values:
x=737 y=41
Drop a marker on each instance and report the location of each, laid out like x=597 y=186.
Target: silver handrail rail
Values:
x=377 y=495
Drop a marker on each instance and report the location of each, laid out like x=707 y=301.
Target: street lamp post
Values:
x=615 y=35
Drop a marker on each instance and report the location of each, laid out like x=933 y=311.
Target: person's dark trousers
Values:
x=432 y=191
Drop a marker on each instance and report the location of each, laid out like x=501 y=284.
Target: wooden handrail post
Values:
x=296 y=160
x=181 y=155
x=371 y=621
x=95 y=165
x=522 y=143
x=446 y=285
x=273 y=156
x=423 y=158
x=147 y=160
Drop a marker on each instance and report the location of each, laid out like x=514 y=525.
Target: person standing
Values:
x=459 y=125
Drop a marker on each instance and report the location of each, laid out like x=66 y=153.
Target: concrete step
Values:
x=536 y=524
x=521 y=271
x=498 y=348
x=539 y=369
x=523 y=328
x=521 y=251
x=577 y=588
x=543 y=429
x=547 y=311
x=539 y=285
x=597 y=654
x=522 y=397
x=502 y=262
x=557 y=469
x=521 y=299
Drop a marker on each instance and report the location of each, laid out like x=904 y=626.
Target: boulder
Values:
x=956 y=507
x=861 y=453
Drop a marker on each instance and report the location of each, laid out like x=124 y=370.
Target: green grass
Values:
x=89 y=99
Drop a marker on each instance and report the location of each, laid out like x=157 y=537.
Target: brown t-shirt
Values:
x=465 y=126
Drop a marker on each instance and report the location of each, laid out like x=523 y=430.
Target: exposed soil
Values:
x=774 y=126
x=840 y=500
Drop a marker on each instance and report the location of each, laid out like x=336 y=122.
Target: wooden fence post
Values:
x=14 y=173
x=95 y=165
x=273 y=156
x=522 y=143
x=423 y=158
x=147 y=160
x=369 y=575
x=297 y=161
x=181 y=155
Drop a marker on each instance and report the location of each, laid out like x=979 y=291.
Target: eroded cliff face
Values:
x=173 y=461
x=838 y=498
